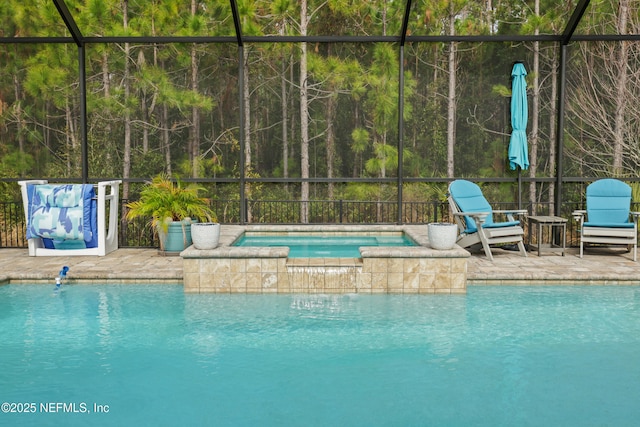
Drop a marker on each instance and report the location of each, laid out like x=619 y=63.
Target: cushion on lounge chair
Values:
x=468 y=196
x=608 y=202
x=64 y=216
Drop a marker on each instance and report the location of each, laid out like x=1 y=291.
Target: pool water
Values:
x=315 y=246
x=151 y=355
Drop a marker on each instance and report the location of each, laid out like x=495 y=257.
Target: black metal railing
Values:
x=139 y=234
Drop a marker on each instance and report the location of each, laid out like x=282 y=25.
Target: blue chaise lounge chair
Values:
x=70 y=219
x=608 y=219
x=475 y=219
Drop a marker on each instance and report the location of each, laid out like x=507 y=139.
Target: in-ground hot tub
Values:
x=411 y=268
x=322 y=244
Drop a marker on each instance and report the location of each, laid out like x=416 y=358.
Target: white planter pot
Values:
x=205 y=235
x=442 y=235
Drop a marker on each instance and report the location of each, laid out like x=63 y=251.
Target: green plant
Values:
x=165 y=200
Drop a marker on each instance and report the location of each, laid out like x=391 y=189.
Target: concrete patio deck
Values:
x=598 y=267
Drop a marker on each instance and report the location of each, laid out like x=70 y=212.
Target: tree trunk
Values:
x=195 y=110
x=195 y=116
x=17 y=88
x=106 y=90
x=621 y=89
x=126 y=158
x=304 y=118
x=285 y=114
x=166 y=144
x=535 y=114
x=451 y=99
x=331 y=141
x=553 y=118
x=246 y=94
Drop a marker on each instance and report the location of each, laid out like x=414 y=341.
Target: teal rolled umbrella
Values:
x=518 y=149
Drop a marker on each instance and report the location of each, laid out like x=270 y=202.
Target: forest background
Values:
x=286 y=120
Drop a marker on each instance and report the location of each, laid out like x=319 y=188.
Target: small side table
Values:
x=550 y=222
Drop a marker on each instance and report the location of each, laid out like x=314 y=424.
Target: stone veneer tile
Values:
x=269 y=265
x=379 y=265
x=254 y=282
x=253 y=265
x=441 y=265
x=379 y=282
x=283 y=283
x=458 y=281
x=222 y=283
x=238 y=282
x=395 y=282
x=222 y=266
x=191 y=282
x=206 y=280
x=427 y=281
x=395 y=265
x=363 y=282
x=238 y=265
x=367 y=265
x=269 y=280
x=443 y=281
x=459 y=265
x=190 y=266
x=411 y=265
x=411 y=282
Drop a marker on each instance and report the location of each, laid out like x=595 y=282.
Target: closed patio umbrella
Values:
x=518 y=150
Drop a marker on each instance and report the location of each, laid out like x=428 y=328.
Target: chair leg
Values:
x=487 y=251
x=523 y=250
x=485 y=245
x=581 y=248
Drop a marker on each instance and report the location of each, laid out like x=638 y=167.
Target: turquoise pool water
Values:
x=313 y=246
x=151 y=355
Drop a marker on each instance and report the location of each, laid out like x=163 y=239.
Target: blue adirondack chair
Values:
x=608 y=219
x=476 y=222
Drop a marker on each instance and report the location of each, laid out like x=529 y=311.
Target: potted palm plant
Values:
x=172 y=207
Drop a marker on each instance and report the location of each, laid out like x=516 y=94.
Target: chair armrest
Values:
x=511 y=212
x=634 y=215
x=478 y=217
x=579 y=215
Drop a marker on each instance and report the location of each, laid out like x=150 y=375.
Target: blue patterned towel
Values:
x=64 y=215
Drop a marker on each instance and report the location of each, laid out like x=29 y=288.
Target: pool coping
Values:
x=230 y=233
x=599 y=267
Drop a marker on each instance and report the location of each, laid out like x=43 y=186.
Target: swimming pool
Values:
x=153 y=355
x=305 y=245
